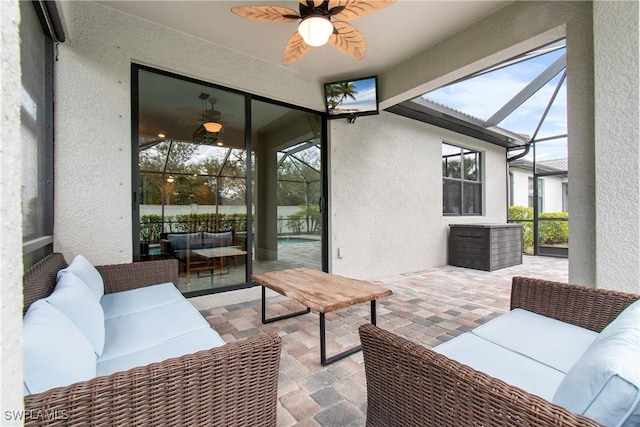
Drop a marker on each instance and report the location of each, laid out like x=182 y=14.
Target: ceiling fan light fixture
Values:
x=315 y=30
x=212 y=127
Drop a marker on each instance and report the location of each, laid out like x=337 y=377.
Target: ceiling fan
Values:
x=320 y=22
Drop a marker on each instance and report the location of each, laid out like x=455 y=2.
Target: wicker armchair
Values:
x=411 y=385
x=232 y=385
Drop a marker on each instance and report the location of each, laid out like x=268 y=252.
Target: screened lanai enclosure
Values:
x=521 y=105
x=228 y=184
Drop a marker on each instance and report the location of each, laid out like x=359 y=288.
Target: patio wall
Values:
x=617 y=148
x=386 y=194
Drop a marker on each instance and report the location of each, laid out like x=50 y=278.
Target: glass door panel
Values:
x=287 y=188
x=193 y=150
x=192 y=180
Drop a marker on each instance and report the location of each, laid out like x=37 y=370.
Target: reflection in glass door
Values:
x=286 y=188
x=191 y=142
x=192 y=180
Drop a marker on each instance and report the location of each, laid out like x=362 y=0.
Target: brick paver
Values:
x=428 y=307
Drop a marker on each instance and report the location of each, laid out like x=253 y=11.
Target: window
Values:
x=540 y=194
x=461 y=181
x=37 y=134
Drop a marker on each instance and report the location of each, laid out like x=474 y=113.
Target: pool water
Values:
x=291 y=240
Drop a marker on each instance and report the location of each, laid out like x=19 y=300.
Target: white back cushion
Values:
x=91 y=277
x=604 y=384
x=139 y=299
x=55 y=352
x=76 y=301
x=549 y=341
x=509 y=366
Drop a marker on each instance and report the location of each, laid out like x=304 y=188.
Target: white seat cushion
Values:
x=55 y=352
x=76 y=301
x=509 y=366
x=143 y=329
x=81 y=267
x=604 y=384
x=140 y=299
x=201 y=339
x=552 y=342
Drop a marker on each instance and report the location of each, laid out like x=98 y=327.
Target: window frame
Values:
x=462 y=179
x=41 y=245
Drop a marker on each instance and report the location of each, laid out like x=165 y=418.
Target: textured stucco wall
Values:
x=581 y=203
x=10 y=213
x=386 y=194
x=617 y=149
x=93 y=116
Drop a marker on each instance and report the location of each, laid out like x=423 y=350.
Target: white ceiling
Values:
x=393 y=34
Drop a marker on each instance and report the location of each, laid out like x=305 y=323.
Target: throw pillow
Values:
x=81 y=267
x=76 y=301
x=55 y=352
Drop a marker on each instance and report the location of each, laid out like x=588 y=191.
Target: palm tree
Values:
x=338 y=92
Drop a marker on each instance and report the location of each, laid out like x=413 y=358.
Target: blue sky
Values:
x=484 y=95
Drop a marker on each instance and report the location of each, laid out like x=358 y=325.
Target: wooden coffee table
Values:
x=321 y=292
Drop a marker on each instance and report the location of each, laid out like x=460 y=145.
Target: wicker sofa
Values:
x=411 y=385
x=228 y=384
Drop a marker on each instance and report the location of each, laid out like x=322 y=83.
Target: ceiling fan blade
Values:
x=267 y=13
x=315 y=3
x=348 y=10
x=296 y=48
x=348 y=40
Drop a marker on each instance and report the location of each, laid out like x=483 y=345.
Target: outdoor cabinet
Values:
x=485 y=246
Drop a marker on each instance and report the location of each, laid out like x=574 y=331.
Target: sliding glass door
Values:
x=287 y=188
x=224 y=183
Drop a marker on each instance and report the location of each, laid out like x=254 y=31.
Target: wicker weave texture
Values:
x=232 y=385
x=40 y=279
x=123 y=277
x=409 y=385
x=590 y=308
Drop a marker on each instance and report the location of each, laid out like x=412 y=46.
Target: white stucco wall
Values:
x=552 y=190
x=93 y=116
x=386 y=194
x=520 y=186
x=617 y=149
x=10 y=213
x=552 y=197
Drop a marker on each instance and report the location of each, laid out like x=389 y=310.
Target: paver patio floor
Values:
x=427 y=307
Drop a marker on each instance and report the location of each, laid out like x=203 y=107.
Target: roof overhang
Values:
x=435 y=114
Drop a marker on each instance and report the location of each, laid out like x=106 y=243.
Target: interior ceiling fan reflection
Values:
x=195 y=117
x=202 y=136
